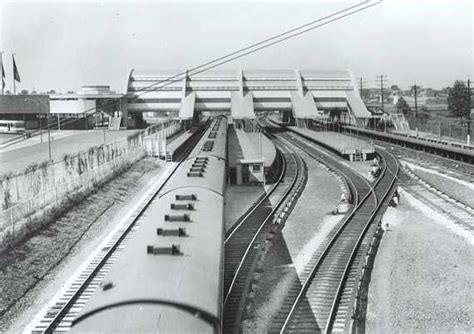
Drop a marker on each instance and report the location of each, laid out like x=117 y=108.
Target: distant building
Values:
x=24 y=109
x=90 y=100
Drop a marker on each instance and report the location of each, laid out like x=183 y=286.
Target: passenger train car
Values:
x=11 y=126
x=167 y=279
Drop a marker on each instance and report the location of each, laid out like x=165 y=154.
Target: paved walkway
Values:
x=14 y=159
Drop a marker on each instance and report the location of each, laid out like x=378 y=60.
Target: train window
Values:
x=191 y=197
x=177 y=218
x=173 y=250
x=188 y=206
x=179 y=232
x=194 y=174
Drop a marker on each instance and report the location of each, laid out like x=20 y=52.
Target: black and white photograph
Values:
x=235 y=166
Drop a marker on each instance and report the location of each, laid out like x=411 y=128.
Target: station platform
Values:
x=427 y=136
x=176 y=142
x=250 y=146
x=248 y=152
x=349 y=147
x=445 y=148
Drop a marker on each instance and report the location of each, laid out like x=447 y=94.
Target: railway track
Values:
x=323 y=299
x=60 y=315
x=456 y=209
x=242 y=244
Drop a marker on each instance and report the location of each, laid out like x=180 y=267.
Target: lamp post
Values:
x=47 y=124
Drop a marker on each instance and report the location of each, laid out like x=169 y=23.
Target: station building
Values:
x=90 y=103
x=20 y=112
x=300 y=95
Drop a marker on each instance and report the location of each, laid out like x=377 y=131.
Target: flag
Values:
x=16 y=75
x=3 y=76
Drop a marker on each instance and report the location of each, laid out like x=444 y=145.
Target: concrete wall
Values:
x=27 y=197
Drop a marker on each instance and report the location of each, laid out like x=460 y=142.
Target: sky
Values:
x=65 y=45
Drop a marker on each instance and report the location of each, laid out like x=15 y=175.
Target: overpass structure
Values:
x=302 y=95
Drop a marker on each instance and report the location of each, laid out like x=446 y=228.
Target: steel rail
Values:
x=50 y=328
x=263 y=223
x=240 y=279
x=255 y=206
x=328 y=247
x=381 y=201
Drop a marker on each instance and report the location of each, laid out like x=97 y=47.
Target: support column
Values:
x=124 y=110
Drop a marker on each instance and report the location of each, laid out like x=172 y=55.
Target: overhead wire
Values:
x=255 y=47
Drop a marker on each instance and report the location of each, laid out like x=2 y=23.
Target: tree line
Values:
x=458 y=101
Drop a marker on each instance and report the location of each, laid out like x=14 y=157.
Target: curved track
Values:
x=242 y=245
x=323 y=300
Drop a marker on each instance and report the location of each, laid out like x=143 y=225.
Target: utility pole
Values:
x=382 y=77
x=415 y=90
x=361 y=85
x=468 y=111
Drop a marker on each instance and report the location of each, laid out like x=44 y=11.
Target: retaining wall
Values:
x=43 y=189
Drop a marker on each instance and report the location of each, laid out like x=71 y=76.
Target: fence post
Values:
x=13 y=222
x=29 y=210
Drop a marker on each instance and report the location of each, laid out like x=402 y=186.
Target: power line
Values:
x=261 y=45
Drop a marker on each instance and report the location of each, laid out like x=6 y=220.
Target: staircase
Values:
x=400 y=123
x=114 y=122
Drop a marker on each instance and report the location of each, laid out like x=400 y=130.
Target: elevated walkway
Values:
x=356 y=105
x=186 y=109
x=304 y=106
x=241 y=106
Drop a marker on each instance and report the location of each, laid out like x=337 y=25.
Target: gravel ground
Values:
x=448 y=184
x=422 y=277
x=238 y=199
x=36 y=265
x=306 y=227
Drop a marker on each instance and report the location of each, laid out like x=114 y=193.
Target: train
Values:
x=12 y=126
x=168 y=276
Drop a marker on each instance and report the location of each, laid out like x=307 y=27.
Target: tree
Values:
x=24 y=92
x=394 y=87
x=458 y=99
x=402 y=106
x=52 y=91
